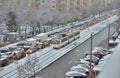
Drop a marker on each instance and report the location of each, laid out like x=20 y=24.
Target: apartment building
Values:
x=44 y=4
x=29 y=8
x=69 y=5
x=62 y=5
x=106 y=2
x=72 y=4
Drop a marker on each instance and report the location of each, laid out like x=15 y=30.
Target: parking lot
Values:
x=100 y=55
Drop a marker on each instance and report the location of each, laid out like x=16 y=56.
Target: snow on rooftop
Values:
x=13 y=33
x=31 y=39
x=39 y=35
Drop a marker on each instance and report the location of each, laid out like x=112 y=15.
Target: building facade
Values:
x=61 y=5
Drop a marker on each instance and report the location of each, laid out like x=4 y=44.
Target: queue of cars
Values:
x=115 y=39
x=19 y=51
x=83 y=68
x=23 y=48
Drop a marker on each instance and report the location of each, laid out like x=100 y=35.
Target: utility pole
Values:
x=118 y=21
x=117 y=28
x=91 y=43
x=108 y=34
x=91 y=46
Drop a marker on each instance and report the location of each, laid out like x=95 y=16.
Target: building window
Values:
x=42 y=1
x=35 y=2
x=53 y=1
x=53 y=6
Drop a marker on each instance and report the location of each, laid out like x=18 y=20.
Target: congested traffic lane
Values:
x=46 y=57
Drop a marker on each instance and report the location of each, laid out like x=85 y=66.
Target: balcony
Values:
x=36 y=3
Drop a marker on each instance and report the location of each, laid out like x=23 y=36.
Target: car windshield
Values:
x=31 y=48
x=55 y=41
x=3 y=51
x=23 y=44
x=17 y=49
x=19 y=54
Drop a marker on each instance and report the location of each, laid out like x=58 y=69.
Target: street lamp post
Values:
x=91 y=47
x=91 y=43
x=117 y=28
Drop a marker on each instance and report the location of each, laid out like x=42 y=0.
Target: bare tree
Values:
x=11 y=22
x=28 y=69
x=26 y=12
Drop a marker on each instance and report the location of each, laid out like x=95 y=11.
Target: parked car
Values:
x=4 y=62
x=32 y=50
x=100 y=49
x=117 y=41
x=19 y=55
x=106 y=57
x=115 y=35
x=82 y=61
x=84 y=65
x=119 y=31
x=75 y=74
x=112 y=43
x=95 y=59
x=118 y=36
x=94 y=72
x=79 y=68
x=98 y=52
